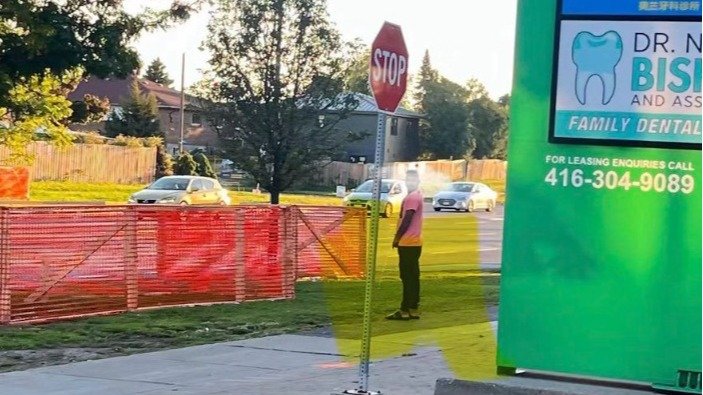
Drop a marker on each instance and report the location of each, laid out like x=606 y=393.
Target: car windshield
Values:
x=458 y=188
x=368 y=186
x=171 y=184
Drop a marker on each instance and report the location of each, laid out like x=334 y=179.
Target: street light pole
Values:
x=183 y=115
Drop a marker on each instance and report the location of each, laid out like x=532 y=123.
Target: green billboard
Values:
x=602 y=245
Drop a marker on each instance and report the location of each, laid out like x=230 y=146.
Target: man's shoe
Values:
x=399 y=315
x=414 y=314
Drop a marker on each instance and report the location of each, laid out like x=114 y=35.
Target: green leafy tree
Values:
x=279 y=97
x=138 y=117
x=444 y=131
x=426 y=76
x=156 y=72
x=185 y=165
x=60 y=35
x=164 y=162
x=356 y=78
x=90 y=109
x=36 y=106
x=489 y=126
x=204 y=168
x=504 y=103
x=475 y=90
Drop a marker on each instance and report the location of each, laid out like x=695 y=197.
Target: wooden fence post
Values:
x=290 y=250
x=240 y=290
x=130 y=255
x=5 y=295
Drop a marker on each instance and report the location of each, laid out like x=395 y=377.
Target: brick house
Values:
x=197 y=133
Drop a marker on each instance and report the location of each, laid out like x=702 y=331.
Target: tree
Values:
x=356 y=77
x=204 y=168
x=504 y=102
x=279 y=97
x=90 y=109
x=489 y=126
x=156 y=72
x=185 y=165
x=36 y=106
x=164 y=162
x=426 y=76
x=138 y=117
x=59 y=35
x=444 y=132
x=475 y=90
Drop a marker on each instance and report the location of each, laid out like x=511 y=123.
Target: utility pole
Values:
x=183 y=115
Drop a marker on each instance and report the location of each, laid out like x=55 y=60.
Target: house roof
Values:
x=117 y=89
x=368 y=104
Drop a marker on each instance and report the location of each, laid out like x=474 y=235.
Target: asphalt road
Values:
x=490 y=229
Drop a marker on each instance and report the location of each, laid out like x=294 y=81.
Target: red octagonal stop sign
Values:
x=388 y=72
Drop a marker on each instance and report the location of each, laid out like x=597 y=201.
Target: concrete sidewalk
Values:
x=285 y=364
x=289 y=364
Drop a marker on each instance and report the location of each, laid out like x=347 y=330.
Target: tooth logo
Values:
x=596 y=56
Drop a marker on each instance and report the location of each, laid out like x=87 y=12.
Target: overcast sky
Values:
x=466 y=38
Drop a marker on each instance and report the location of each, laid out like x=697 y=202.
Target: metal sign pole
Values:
x=364 y=359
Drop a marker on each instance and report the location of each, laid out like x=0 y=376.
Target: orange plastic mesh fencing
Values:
x=14 y=183
x=60 y=262
x=331 y=241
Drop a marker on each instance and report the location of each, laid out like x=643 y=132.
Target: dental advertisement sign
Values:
x=601 y=258
x=634 y=82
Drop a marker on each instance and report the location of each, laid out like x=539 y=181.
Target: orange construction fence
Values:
x=14 y=183
x=60 y=262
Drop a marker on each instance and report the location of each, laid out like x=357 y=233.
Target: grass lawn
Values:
x=118 y=194
x=454 y=300
x=184 y=326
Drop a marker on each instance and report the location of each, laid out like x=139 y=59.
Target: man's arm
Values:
x=404 y=225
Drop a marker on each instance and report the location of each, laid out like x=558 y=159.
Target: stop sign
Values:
x=388 y=73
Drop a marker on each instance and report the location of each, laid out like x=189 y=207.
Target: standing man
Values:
x=408 y=240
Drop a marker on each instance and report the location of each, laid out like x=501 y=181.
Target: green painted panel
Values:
x=602 y=245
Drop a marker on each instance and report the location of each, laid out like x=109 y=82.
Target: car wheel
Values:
x=437 y=209
x=183 y=203
x=491 y=204
x=470 y=206
x=387 y=210
x=222 y=203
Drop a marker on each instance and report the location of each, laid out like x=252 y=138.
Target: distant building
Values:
x=402 y=133
x=197 y=133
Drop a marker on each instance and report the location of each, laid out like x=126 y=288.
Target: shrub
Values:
x=89 y=138
x=164 y=162
x=204 y=168
x=128 y=141
x=186 y=165
x=153 y=141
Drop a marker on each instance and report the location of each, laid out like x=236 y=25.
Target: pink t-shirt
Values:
x=413 y=236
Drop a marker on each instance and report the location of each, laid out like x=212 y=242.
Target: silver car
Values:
x=183 y=190
x=465 y=196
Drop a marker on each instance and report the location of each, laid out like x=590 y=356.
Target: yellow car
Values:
x=392 y=194
x=183 y=190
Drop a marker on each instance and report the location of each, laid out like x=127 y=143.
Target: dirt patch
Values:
x=26 y=359
x=13 y=360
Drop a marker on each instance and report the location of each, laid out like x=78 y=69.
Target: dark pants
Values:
x=409 y=267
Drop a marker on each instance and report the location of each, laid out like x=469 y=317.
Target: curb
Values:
x=461 y=387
